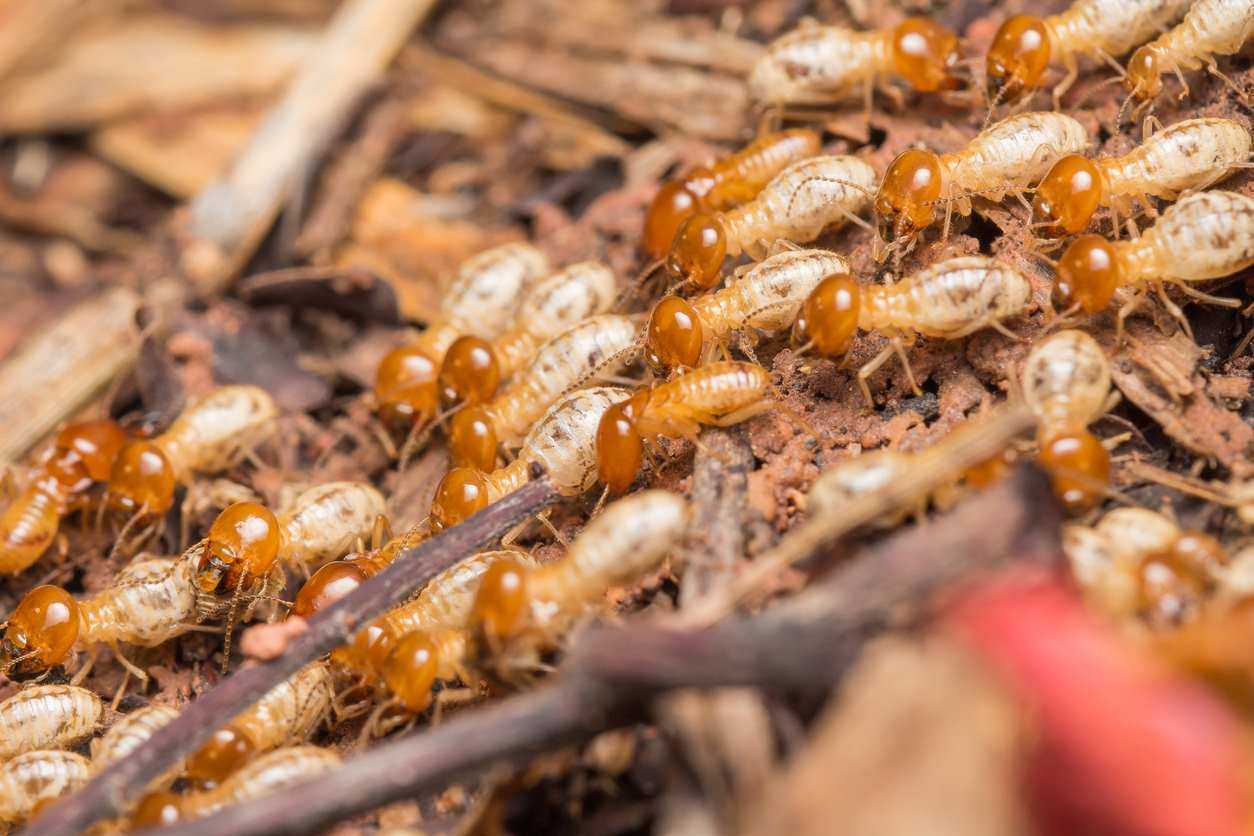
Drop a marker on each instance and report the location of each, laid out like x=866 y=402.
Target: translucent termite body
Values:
x=726 y=182
x=821 y=64
x=563 y=443
x=324 y=522
x=80 y=457
x=1209 y=28
x=797 y=205
x=30 y=779
x=47 y=717
x=1006 y=157
x=481 y=300
x=210 y=436
x=765 y=298
x=949 y=300
x=473 y=366
x=864 y=474
x=1186 y=156
x=600 y=345
x=130 y=732
x=1207 y=235
x=1025 y=44
x=718 y=394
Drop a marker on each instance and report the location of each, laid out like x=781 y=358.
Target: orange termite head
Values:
x=907 y=196
x=223 y=754
x=243 y=544
x=620 y=447
x=410 y=670
x=160 y=808
x=696 y=255
x=1079 y=467
x=500 y=602
x=472 y=439
x=470 y=373
x=671 y=206
x=1018 y=56
x=1088 y=274
x=926 y=54
x=1144 y=78
x=405 y=386
x=84 y=453
x=828 y=318
x=461 y=492
x=1068 y=195
x=674 y=335
x=40 y=632
x=329 y=584
x=142 y=479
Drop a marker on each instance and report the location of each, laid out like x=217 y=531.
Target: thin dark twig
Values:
x=110 y=792
x=609 y=680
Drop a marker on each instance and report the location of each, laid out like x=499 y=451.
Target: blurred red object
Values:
x=1122 y=746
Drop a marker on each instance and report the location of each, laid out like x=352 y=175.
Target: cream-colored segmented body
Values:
x=214 y=432
x=819 y=64
x=716 y=393
x=557 y=303
x=1207 y=235
x=799 y=203
x=1210 y=28
x=290 y=711
x=563 y=443
x=47 y=717
x=266 y=775
x=1185 y=156
x=1066 y=381
x=862 y=475
x=327 y=521
x=1113 y=27
x=598 y=345
x=948 y=300
x=1104 y=558
x=34 y=777
x=1012 y=154
x=128 y=733
x=150 y=602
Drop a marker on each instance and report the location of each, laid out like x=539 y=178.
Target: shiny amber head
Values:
x=1201 y=550
x=1068 y=195
x=501 y=599
x=1018 y=56
x=696 y=255
x=1088 y=274
x=671 y=206
x=461 y=492
x=926 y=54
x=1170 y=586
x=907 y=197
x=472 y=439
x=674 y=335
x=141 y=479
x=410 y=669
x=224 y=753
x=328 y=585
x=1079 y=467
x=1144 y=78
x=243 y=544
x=828 y=318
x=470 y=373
x=160 y=808
x=40 y=632
x=405 y=386
x=620 y=447
x=85 y=452
x=370 y=647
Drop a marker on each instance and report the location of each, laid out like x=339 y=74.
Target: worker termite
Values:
x=600 y=345
x=210 y=436
x=766 y=298
x=480 y=300
x=47 y=717
x=563 y=442
x=325 y=521
x=722 y=184
x=1006 y=157
x=473 y=367
x=130 y=732
x=33 y=778
x=1206 y=235
x=287 y=713
x=797 y=205
x=948 y=300
x=1187 y=156
x=719 y=394
x=1025 y=45
x=822 y=64
x=81 y=455
x=1209 y=28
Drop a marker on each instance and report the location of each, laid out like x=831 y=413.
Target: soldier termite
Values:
x=33 y=778
x=948 y=300
x=797 y=205
x=47 y=717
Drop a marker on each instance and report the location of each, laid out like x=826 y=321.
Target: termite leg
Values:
x=998 y=326
x=451 y=696
x=1173 y=309
x=1073 y=72
x=1184 y=85
x=1126 y=310
x=899 y=349
x=117 y=696
x=1221 y=301
x=743 y=414
x=82 y=672
x=138 y=672
x=869 y=369
x=746 y=347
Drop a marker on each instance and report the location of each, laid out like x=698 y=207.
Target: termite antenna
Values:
x=17 y=660
x=632 y=291
x=1123 y=109
x=993 y=103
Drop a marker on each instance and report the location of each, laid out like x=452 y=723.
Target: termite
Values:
x=765 y=298
x=599 y=345
x=948 y=300
x=325 y=521
x=473 y=367
x=47 y=717
x=1209 y=28
x=340 y=577
x=1025 y=45
x=1206 y=235
x=33 y=778
x=822 y=64
x=287 y=713
x=1187 y=156
x=866 y=473
x=1066 y=383
x=81 y=455
x=130 y=732
x=480 y=300
x=719 y=394
x=210 y=436
x=563 y=442
x=722 y=184
x=1006 y=157
x=797 y=205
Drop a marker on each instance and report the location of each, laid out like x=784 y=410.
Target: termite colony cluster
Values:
x=809 y=287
